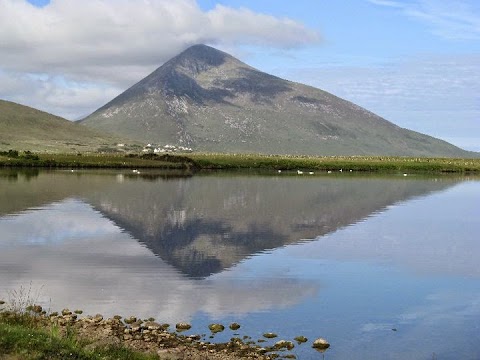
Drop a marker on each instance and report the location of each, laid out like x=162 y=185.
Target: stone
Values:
x=182 y=326
x=130 y=320
x=234 y=326
x=283 y=344
x=151 y=325
x=216 y=328
x=66 y=312
x=270 y=335
x=321 y=344
x=301 y=339
x=136 y=327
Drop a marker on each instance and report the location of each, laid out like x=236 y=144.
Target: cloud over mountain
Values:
x=107 y=39
x=71 y=56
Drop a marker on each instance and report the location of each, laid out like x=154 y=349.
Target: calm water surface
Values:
x=382 y=267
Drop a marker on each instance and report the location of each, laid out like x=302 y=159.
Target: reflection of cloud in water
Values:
x=66 y=221
x=105 y=270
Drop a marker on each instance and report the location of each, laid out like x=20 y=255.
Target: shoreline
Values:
x=194 y=162
x=147 y=337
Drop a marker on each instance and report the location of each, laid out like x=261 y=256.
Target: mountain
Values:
x=25 y=128
x=208 y=100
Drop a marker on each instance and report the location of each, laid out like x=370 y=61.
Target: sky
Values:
x=414 y=62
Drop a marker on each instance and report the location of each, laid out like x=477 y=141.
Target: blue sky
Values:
x=414 y=62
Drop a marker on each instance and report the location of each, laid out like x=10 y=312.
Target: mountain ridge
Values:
x=26 y=128
x=208 y=100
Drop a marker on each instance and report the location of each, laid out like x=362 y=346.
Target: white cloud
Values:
x=388 y=3
x=70 y=56
x=454 y=20
x=55 y=94
x=103 y=39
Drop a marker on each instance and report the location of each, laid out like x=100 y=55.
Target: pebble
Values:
x=216 y=328
x=234 y=326
x=321 y=343
x=183 y=326
x=270 y=335
x=301 y=339
x=283 y=344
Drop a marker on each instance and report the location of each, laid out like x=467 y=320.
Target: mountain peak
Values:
x=208 y=100
x=196 y=59
x=203 y=52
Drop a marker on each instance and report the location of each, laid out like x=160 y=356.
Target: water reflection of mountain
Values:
x=33 y=188
x=26 y=189
x=203 y=225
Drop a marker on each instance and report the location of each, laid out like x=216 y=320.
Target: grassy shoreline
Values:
x=33 y=333
x=198 y=161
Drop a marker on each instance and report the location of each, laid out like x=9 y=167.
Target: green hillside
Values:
x=24 y=128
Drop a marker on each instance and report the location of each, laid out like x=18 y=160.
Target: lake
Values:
x=383 y=267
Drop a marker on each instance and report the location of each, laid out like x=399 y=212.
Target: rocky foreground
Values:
x=151 y=337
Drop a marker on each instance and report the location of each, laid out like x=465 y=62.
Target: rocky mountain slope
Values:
x=210 y=101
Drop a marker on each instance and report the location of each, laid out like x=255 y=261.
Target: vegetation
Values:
x=196 y=161
x=29 y=332
x=26 y=334
x=337 y=163
x=94 y=161
x=23 y=338
x=22 y=127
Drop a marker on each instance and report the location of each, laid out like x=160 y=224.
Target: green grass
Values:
x=89 y=161
x=336 y=163
x=22 y=127
x=21 y=337
x=244 y=161
x=27 y=334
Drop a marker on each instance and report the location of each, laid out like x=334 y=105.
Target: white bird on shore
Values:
x=299 y=172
